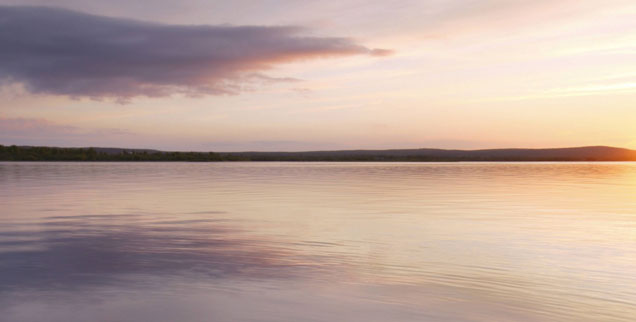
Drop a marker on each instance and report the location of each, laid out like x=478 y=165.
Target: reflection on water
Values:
x=78 y=251
x=318 y=242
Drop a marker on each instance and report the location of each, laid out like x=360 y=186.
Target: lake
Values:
x=317 y=242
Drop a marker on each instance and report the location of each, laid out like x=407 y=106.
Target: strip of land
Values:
x=590 y=153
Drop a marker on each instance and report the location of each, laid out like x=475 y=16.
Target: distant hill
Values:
x=591 y=153
x=120 y=150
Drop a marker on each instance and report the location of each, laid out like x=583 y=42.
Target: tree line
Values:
x=33 y=153
x=18 y=153
x=36 y=153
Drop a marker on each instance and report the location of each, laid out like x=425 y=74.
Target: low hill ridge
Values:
x=587 y=153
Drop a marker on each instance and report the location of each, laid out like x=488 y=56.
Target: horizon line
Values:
x=323 y=150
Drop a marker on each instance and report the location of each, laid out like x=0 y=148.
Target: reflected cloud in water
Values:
x=75 y=251
x=317 y=242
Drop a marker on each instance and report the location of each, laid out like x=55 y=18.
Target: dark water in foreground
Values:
x=317 y=242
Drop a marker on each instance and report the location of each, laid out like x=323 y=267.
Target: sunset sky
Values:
x=306 y=75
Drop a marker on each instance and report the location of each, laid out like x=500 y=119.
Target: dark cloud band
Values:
x=64 y=52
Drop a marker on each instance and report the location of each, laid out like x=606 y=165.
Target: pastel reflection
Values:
x=318 y=241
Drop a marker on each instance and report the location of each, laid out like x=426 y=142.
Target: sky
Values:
x=293 y=75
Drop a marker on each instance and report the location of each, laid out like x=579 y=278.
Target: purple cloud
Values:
x=37 y=131
x=64 y=52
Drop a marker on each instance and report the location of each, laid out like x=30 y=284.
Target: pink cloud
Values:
x=80 y=55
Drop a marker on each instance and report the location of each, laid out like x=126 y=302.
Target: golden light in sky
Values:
x=352 y=74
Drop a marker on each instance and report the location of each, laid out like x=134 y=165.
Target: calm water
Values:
x=317 y=242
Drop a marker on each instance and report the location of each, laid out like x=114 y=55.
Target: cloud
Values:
x=64 y=52
x=37 y=131
x=381 y=52
x=21 y=125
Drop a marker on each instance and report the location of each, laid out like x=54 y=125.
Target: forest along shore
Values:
x=592 y=153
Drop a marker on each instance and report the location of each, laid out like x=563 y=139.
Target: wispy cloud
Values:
x=20 y=125
x=63 y=52
x=36 y=131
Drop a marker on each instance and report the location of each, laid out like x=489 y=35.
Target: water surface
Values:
x=317 y=242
